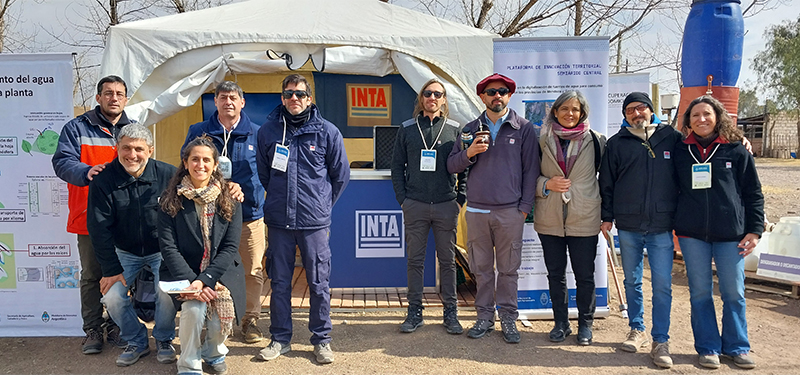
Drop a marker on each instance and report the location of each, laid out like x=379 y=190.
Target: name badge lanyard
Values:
x=701 y=171
x=225 y=165
x=427 y=161
x=280 y=161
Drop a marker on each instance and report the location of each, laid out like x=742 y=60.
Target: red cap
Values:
x=496 y=77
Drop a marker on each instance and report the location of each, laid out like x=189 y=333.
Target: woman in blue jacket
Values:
x=720 y=216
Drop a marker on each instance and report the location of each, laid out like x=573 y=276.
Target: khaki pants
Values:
x=495 y=238
x=251 y=249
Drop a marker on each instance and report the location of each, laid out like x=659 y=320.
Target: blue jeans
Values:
x=660 y=250
x=119 y=305
x=730 y=271
x=212 y=350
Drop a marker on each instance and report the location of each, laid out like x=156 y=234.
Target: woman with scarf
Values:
x=567 y=210
x=720 y=216
x=199 y=227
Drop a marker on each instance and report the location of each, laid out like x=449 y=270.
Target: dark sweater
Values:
x=505 y=175
x=429 y=187
x=123 y=211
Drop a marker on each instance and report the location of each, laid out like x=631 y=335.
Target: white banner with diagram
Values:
x=39 y=263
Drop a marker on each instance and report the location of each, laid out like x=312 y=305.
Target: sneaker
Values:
x=112 y=336
x=324 y=353
x=220 y=368
x=510 y=332
x=560 y=331
x=636 y=340
x=251 y=332
x=451 y=324
x=166 y=352
x=709 y=360
x=273 y=350
x=660 y=354
x=744 y=361
x=584 y=335
x=480 y=329
x=131 y=354
x=413 y=319
x=93 y=342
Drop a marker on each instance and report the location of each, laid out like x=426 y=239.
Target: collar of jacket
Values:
x=692 y=140
x=653 y=120
x=313 y=125
x=512 y=119
x=243 y=128
x=97 y=119
x=123 y=178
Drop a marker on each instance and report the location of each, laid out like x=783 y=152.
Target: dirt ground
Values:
x=368 y=342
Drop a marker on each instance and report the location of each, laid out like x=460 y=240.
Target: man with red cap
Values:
x=501 y=188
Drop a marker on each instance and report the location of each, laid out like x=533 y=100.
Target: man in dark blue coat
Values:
x=303 y=167
x=234 y=135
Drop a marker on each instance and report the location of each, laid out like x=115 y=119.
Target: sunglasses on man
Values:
x=503 y=91
x=436 y=94
x=631 y=110
x=287 y=94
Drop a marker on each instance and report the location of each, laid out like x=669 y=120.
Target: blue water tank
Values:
x=712 y=43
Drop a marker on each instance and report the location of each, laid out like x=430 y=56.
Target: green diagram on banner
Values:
x=7 y=263
x=44 y=143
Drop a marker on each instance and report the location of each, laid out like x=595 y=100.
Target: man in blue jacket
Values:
x=640 y=192
x=303 y=167
x=122 y=216
x=235 y=137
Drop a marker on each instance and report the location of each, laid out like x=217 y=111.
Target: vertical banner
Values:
x=39 y=263
x=543 y=68
x=619 y=86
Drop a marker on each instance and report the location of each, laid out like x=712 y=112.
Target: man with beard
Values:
x=122 y=216
x=503 y=168
x=639 y=191
x=430 y=197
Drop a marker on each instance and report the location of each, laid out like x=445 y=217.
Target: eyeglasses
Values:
x=492 y=92
x=287 y=94
x=436 y=94
x=649 y=149
x=640 y=108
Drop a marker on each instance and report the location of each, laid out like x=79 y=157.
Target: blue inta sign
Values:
x=379 y=234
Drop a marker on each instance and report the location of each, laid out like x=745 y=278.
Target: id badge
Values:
x=281 y=158
x=225 y=167
x=701 y=176
x=427 y=162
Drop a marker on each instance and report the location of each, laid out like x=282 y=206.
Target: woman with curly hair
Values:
x=720 y=217
x=199 y=227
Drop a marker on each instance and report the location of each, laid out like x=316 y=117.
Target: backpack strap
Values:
x=596 y=144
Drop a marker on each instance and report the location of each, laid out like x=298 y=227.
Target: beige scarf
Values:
x=206 y=198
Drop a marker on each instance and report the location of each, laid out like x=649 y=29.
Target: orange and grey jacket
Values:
x=85 y=141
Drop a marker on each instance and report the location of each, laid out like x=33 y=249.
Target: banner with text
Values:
x=543 y=68
x=39 y=263
x=619 y=86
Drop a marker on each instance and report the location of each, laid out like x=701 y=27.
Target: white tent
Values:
x=168 y=62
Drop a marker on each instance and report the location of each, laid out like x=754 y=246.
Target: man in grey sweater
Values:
x=430 y=197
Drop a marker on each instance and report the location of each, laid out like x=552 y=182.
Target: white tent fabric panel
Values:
x=168 y=62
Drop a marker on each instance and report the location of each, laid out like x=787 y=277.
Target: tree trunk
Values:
x=578 y=17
